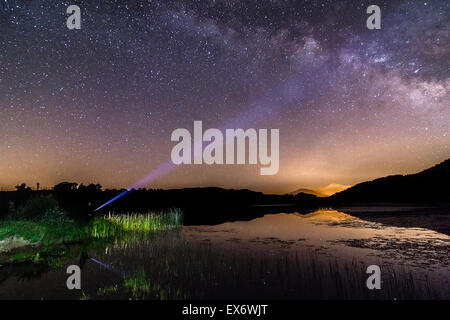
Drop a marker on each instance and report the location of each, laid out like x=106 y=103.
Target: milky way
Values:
x=99 y=104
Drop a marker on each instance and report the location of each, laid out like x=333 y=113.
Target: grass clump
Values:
x=53 y=227
x=116 y=225
x=138 y=285
x=108 y=291
x=51 y=230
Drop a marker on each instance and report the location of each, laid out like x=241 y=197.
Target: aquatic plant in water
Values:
x=115 y=225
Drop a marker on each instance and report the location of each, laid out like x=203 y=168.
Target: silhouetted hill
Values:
x=214 y=205
x=208 y=205
x=325 y=191
x=307 y=191
x=430 y=185
x=200 y=205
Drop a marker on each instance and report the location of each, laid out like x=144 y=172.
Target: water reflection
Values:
x=338 y=235
x=323 y=254
x=329 y=228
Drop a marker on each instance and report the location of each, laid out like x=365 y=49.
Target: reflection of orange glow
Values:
x=328 y=215
x=317 y=228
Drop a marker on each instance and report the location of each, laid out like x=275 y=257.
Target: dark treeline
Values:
x=214 y=205
x=200 y=205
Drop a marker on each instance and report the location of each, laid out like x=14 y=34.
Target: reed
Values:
x=115 y=225
x=169 y=267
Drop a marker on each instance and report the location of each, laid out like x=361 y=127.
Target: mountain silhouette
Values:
x=213 y=205
x=430 y=185
x=322 y=192
x=307 y=191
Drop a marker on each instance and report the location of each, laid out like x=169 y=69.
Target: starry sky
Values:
x=99 y=104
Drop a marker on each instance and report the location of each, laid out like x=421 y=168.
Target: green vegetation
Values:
x=116 y=225
x=148 y=264
x=52 y=228
x=40 y=224
x=108 y=291
x=40 y=221
x=35 y=207
x=168 y=267
x=138 y=285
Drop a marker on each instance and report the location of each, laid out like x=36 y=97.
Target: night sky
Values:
x=99 y=104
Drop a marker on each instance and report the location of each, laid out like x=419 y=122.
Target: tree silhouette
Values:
x=64 y=187
x=90 y=188
x=22 y=188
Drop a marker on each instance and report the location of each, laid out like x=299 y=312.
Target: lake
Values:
x=319 y=255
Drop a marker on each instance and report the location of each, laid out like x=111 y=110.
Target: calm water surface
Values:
x=323 y=254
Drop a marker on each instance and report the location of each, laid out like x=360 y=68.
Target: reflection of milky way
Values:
x=99 y=104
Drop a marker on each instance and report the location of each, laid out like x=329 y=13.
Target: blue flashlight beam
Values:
x=120 y=195
x=284 y=94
